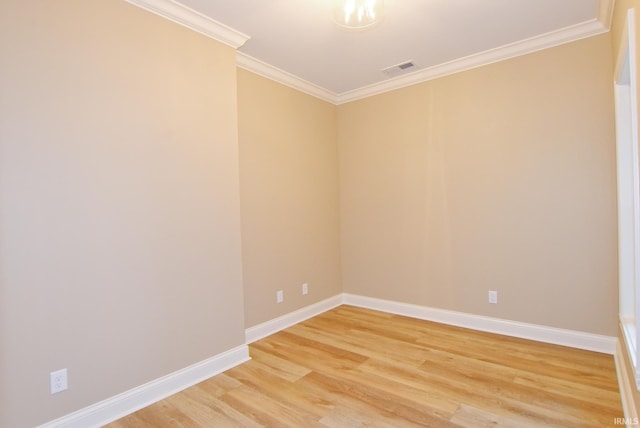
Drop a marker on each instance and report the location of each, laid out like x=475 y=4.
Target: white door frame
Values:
x=628 y=175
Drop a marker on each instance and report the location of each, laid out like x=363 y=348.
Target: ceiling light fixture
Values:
x=357 y=14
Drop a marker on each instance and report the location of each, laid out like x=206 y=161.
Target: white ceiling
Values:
x=297 y=40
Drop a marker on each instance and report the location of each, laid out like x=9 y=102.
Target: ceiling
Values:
x=297 y=43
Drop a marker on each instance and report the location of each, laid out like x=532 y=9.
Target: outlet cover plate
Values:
x=58 y=381
x=493 y=297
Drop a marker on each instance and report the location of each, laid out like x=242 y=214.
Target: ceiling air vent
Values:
x=398 y=69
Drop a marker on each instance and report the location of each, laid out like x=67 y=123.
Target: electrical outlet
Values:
x=493 y=297
x=58 y=381
x=279 y=296
x=305 y=288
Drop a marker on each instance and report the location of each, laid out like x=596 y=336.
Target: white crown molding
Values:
x=605 y=13
x=263 y=69
x=183 y=15
x=116 y=407
x=512 y=50
x=194 y=20
x=522 y=47
x=275 y=325
x=557 y=336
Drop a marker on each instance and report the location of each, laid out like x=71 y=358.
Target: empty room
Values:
x=319 y=213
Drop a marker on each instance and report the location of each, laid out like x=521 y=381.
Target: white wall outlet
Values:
x=58 y=381
x=493 y=297
x=305 y=288
x=279 y=296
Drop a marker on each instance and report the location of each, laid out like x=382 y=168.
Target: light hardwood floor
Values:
x=353 y=367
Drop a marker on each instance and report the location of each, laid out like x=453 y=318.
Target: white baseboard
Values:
x=128 y=402
x=557 y=336
x=626 y=390
x=275 y=325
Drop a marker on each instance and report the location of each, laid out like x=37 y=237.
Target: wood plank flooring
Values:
x=353 y=367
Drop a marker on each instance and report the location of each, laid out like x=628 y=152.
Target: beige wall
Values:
x=617 y=27
x=126 y=154
x=498 y=178
x=120 y=252
x=289 y=197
